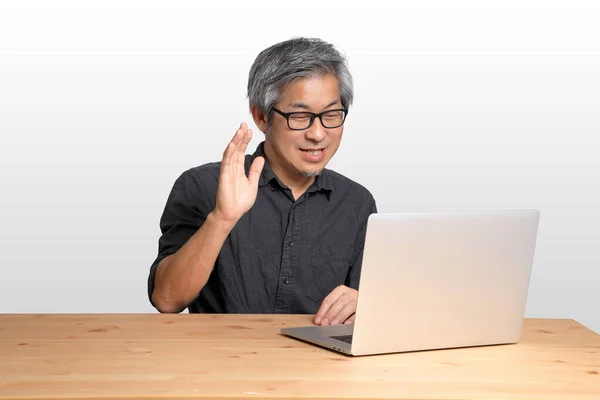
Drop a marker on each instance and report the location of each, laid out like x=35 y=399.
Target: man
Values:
x=275 y=231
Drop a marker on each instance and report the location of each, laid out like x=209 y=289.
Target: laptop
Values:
x=437 y=281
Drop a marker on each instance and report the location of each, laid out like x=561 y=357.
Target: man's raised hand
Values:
x=236 y=193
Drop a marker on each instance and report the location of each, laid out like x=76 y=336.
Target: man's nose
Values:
x=316 y=132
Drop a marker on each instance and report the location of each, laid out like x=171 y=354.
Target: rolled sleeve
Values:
x=185 y=211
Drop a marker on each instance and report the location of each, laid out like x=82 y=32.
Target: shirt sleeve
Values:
x=185 y=211
x=353 y=277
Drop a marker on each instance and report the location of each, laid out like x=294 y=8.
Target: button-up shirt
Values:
x=284 y=255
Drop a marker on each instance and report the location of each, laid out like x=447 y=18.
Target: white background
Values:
x=459 y=105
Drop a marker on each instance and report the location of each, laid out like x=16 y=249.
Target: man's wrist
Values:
x=222 y=224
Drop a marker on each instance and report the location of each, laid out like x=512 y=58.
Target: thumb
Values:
x=255 y=170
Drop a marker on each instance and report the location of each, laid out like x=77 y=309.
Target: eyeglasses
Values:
x=299 y=121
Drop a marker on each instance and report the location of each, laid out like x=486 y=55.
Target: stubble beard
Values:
x=306 y=173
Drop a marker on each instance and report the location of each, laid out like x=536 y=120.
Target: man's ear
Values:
x=260 y=118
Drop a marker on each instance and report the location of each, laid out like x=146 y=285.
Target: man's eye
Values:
x=303 y=117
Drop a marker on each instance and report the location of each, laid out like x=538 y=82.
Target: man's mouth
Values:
x=314 y=152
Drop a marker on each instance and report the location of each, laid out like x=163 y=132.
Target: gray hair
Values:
x=286 y=62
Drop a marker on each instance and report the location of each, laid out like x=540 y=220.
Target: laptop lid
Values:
x=444 y=280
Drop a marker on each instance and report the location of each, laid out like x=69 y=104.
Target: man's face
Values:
x=305 y=152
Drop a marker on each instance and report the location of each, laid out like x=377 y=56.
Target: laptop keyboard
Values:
x=343 y=338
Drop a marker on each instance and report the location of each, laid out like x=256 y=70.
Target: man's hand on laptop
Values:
x=338 y=307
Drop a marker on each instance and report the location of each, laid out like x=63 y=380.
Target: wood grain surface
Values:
x=184 y=356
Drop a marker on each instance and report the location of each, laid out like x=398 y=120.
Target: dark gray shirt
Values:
x=283 y=255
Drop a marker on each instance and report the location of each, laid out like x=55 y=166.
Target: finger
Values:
x=328 y=302
x=336 y=309
x=246 y=140
x=255 y=170
x=239 y=134
x=240 y=152
x=325 y=305
x=348 y=310
x=229 y=151
x=237 y=140
x=351 y=319
x=228 y=154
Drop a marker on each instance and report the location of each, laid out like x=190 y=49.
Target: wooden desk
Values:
x=243 y=356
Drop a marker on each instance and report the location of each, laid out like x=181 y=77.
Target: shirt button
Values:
x=286 y=281
x=291 y=244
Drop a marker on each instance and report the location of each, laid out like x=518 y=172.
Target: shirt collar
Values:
x=322 y=181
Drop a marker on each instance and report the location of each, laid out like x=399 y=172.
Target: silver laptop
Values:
x=437 y=281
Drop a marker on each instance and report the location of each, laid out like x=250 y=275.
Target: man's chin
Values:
x=307 y=173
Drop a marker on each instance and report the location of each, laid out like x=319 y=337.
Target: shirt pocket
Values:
x=329 y=268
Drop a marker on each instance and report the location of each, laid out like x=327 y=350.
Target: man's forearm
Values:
x=180 y=276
